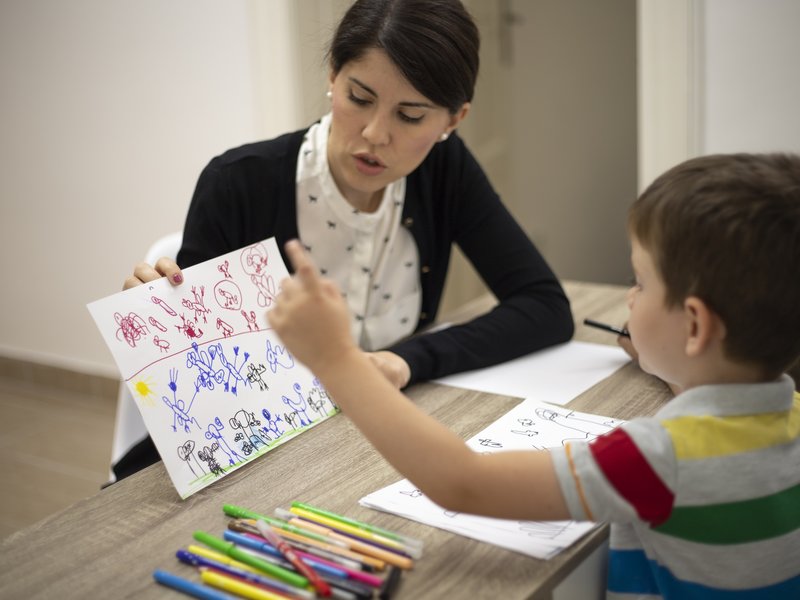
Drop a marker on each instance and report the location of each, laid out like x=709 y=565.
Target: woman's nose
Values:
x=376 y=131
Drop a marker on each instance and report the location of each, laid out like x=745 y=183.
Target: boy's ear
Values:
x=704 y=327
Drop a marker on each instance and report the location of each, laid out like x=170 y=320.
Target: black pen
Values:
x=605 y=327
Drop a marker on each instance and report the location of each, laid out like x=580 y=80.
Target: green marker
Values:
x=364 y=526
x=232 y=550
x=242 y=513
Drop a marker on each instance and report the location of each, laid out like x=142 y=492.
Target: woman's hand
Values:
x=394 y=368
x=164 y=267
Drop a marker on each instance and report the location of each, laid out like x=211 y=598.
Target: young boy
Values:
x=704 y=497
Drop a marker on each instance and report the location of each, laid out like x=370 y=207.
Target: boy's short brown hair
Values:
x=726 y=228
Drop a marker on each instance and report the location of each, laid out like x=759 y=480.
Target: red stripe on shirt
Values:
x=632 y=476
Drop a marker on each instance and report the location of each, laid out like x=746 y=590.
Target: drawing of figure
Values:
x=291 y=419
x=298 y=405
x=188 y=329
x=248 y=424
x=162 y=345
x=254 y=375
x=131 y=327
x=228 y=295
x=277 y=356
x=544 y=529
x=254 y=262
x=224 y=328
x=586 y=428
x=272 y=424
x=488 y=443
x=214 y=432
x=186 y=454
x=180 y=412
x=203 y=361
x=318 y=398
x=234 y=372
x=223 y=268
x=207 y=456
x=251 y=320
x=197 y=304
x=155 y=323
x=412 y=493
x=167 y=308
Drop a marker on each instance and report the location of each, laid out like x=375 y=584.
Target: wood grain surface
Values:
x=108 y=545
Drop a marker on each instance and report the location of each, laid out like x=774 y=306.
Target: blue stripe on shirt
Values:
x=631 y=572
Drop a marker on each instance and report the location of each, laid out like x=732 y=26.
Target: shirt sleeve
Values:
x=624 y=476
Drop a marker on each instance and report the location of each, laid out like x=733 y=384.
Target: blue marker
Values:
x=197 y=590
x=249 y=542
x=202 y=562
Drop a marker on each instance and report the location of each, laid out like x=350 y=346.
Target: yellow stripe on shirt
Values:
x=706 y=436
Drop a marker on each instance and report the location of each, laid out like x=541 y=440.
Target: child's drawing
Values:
x=215 y=386
x=528 y=426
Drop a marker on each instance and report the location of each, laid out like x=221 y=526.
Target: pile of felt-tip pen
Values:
x=302 y=553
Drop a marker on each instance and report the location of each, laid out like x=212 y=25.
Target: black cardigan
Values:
x=248 y=194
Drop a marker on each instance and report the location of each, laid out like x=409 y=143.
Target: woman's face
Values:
x=382 y=128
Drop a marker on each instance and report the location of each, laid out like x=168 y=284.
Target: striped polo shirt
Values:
x=703 y=498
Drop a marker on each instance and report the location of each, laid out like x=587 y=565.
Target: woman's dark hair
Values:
x=434 y=44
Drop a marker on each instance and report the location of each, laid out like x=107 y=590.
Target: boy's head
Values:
x=726 y=229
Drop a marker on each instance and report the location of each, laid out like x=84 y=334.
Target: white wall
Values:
x=110 y=109
x=750 y=65
x=716 y=76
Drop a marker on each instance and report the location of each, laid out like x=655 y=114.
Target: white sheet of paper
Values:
x=555 y=375
x=214 y=384
x=531 y=424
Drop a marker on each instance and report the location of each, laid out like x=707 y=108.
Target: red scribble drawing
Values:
x=198 y=304
x=254 y=259
x=163 y=345
x=254 y=262
x=131 y=328
x=189 y=329
x=223 y=268
x=154 y=322
x=228 y=295
x=224 y=328
x=251 y=320
x=164 y=305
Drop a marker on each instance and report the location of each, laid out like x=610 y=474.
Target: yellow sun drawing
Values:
x=144 y=389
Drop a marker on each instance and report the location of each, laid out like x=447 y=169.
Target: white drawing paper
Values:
x=530 y=425
x=556 y=375
x=214 y=384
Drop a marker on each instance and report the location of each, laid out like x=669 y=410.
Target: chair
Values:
x=129 y=428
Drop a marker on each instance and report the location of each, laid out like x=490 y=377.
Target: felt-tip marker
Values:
x=605 y=327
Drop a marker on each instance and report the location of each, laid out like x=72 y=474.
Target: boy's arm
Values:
x=311 y=319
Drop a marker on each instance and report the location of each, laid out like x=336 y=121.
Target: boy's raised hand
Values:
x=310 y=315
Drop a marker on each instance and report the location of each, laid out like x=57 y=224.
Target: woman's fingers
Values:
x=144 y=273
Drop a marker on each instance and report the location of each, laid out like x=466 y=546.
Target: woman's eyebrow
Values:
x=372 y=92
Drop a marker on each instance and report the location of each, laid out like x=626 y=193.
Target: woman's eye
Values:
x=409 y=119
x=356 y=100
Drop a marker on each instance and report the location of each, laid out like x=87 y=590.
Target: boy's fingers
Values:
x=304 y=268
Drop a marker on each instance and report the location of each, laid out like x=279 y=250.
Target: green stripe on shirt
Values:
x=736 y=522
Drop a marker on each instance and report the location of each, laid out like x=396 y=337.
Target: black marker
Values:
x=604 y=327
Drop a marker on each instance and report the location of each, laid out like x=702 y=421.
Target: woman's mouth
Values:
x=369 y=164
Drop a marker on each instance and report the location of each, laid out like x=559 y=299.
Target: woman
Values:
x=379 y=190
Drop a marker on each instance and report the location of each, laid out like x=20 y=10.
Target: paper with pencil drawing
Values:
x=532 y=424
x=214 y=384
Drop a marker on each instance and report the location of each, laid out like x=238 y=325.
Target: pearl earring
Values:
x=444 y=136
x=329 y=94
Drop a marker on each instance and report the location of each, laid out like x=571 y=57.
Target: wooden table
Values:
x=108 y=546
